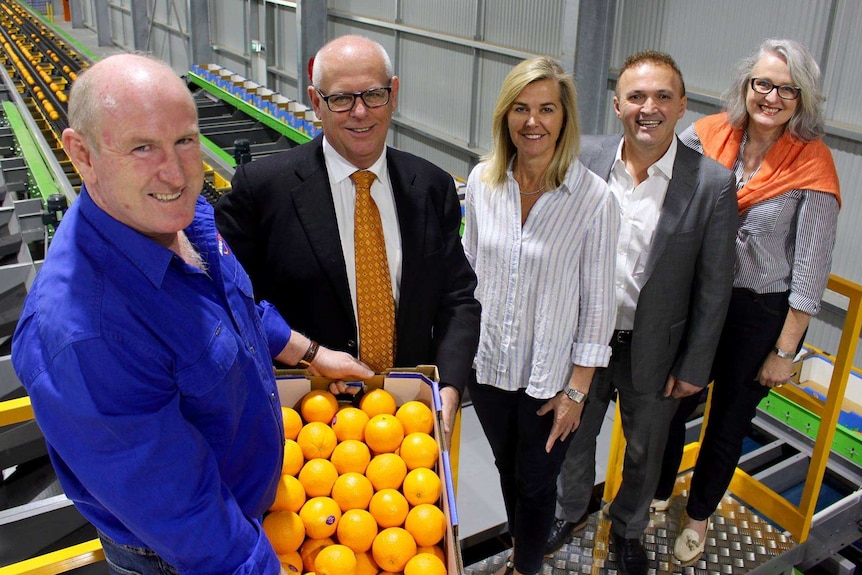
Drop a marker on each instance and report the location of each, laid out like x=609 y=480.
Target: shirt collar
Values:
x=339 y=168
x=575 y=170
x=144 y=253
x=663 y=166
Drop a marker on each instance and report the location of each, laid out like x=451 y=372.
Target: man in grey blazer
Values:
x=673 y=282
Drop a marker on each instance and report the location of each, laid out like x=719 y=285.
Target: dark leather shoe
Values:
x=631 y=556
x=562 y=531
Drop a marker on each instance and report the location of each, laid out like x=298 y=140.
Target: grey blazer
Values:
x=688 y=277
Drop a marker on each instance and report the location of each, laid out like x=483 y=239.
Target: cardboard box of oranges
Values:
x=388 y=497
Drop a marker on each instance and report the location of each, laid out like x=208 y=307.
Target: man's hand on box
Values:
x=338 y=365
x=451 y=400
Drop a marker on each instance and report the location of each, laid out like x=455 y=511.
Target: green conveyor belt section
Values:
x=41 y=174
x=209 y=145
x=847 y=442
x=255 y=113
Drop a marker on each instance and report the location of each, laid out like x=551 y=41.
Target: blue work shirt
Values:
x=153 y=384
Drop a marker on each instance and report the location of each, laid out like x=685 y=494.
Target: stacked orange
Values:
x=359 y=492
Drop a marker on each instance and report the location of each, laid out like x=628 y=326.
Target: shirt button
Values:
x=251 y=349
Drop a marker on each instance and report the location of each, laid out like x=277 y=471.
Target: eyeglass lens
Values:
x=785 y=92
x=373 y=98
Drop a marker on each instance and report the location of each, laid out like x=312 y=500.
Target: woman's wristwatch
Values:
x=783 y=354
x=575 y=395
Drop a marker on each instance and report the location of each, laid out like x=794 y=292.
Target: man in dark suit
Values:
x=673 y=281
x=290 y=220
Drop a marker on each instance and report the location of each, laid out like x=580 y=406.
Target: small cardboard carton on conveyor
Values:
x=405 y=384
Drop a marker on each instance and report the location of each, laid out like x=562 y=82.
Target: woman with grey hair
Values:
x=788 y=194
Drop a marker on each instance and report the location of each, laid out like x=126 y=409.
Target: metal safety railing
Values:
x=795 y=519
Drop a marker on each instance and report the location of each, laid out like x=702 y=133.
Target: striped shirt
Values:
x=783 y=243
x=546 y=288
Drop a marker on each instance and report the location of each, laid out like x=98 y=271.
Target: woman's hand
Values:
x=567 y=417
x=775 y=371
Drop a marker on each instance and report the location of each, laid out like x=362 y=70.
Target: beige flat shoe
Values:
x=689 y=546
x=660 y=504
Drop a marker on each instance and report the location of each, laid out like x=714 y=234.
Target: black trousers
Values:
x=753 y=324
x=528 y=475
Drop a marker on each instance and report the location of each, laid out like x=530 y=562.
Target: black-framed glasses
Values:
x=344 y=102
x=785 y=92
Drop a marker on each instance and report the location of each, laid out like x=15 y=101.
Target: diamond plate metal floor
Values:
x=739 y=541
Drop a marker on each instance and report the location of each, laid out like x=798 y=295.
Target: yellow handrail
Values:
x=58 y=561
x=794 y=519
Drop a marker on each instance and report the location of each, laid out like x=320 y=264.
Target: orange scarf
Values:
x=790 y=164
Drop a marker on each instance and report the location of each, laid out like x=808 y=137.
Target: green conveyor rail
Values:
x=42 y=176
x=847 y=442
x=259 y=115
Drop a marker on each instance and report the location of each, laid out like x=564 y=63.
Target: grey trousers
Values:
x=645 y=420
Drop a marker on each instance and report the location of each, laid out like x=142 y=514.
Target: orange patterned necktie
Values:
x=374 y=301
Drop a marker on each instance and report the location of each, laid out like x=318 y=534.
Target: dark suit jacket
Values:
x=280 y=221
x=688 y=278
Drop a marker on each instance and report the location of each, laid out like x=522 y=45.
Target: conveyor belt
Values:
x=41 y=67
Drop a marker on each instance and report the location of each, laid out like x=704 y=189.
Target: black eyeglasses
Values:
x=344 y=102
x=762 y=86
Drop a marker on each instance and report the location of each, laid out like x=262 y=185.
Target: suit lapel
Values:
x=411 y=204
x=315 y=211
x=679 y=194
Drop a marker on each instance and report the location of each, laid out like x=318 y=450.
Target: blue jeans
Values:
x=127 y=560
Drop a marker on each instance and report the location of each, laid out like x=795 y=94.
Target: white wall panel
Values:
x=433 y=152
x=492 y=73
x=707 y=38
x=532 y=26
x=454 y=17
x=435 y=85
x=843 y=74
x=380 y=9
x=228 y=25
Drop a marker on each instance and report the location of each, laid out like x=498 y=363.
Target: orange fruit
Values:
x=416 y=416
x=293 y=458
x=357 y=530
x=419 y=450
x=320 y=516
x=426 y=523
x=377 y=401
x=433 y=550
x=291 y=562
x=352 y=491
x=389 y=508
x=285 y=530
x=292 y=422
x=422 y=485
x=335 y=560
x=290 y=495
x=350 y=455
x=317 y=477
x=318 y=405
x=316 y=440
x=365 y=564
x=393 y=548
x=424 y=564
x=386 y=470
x=310 y=549
x=384 y=433
x=349 y=423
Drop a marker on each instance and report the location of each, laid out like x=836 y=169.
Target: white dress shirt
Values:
x=640 y=208
x=344 y=197
x=546 y=287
